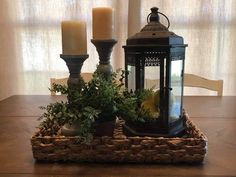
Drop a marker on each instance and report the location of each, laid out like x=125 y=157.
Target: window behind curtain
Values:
x=38 y=35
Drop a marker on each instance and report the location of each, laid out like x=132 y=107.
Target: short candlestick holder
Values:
x=104 y=49
x=75 y=81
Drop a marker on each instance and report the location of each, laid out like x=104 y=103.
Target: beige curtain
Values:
x=31 y=38
x=9 y=65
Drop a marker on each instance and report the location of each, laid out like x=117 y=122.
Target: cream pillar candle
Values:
x=74 y=38
x=103 y=23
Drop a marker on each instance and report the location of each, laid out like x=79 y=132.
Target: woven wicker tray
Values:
x=191 y=148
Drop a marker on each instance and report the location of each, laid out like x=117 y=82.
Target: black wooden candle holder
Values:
x=104 y=49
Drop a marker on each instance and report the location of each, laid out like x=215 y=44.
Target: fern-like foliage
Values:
x=101 y=99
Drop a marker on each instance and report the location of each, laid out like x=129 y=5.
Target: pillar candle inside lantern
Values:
x=103 y=23
x=74 y=38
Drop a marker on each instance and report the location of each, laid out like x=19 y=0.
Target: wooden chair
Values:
x=191 y=80
x=63 y=81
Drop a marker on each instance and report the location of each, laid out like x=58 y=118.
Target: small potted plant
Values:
x=103 y=93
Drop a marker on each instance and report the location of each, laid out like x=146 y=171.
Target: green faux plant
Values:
x=95 y=101
x=103 y=93
x=101 y=99
x=131 y=106
x=60 y=113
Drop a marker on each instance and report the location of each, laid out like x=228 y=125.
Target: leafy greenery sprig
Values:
x=130 y=107
x=101 y=99
x=93 y=101
x=63 y=89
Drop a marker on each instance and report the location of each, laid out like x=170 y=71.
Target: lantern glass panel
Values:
x=175 y=102
x=131 y=77
x=152 y=77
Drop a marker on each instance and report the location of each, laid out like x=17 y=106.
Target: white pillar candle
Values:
x=103 y=23
x=74 y=38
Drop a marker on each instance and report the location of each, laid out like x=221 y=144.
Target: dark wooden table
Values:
x=215 y=116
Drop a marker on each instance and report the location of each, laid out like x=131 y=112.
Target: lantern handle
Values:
x=168 y=21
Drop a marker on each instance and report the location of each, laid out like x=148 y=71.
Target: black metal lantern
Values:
x=154 y=58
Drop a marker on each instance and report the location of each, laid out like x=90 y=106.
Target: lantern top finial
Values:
x=154 y=15
x=154 y=9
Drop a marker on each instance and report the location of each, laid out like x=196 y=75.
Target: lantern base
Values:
x=153 y=129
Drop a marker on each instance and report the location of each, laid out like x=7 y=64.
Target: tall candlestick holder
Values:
x=75 y=82
x=74 y=64
x=104 y=49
